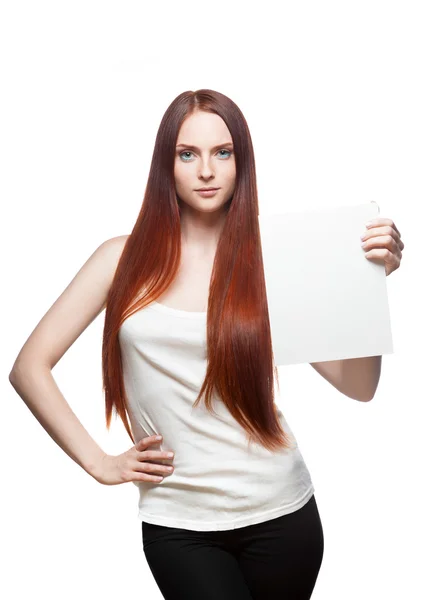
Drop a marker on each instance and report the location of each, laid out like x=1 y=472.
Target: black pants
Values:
x=278 y=559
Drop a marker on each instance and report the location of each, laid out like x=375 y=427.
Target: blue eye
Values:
x=189 y=152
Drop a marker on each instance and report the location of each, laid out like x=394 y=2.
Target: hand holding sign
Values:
x=382 y=241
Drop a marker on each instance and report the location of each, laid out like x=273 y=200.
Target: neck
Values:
x=200 y=232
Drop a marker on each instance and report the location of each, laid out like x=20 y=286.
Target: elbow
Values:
x=359 y=397
x=13 y=378
x=16 y=373
x=12 y=374
x=368 y=397
x=360 y=394
x=371 y=382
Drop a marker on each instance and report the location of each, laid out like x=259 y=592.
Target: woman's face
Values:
x=204 y=158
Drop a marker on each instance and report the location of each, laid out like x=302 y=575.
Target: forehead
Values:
x=203 y=129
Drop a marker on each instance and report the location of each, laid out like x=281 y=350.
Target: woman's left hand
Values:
x=382 y=235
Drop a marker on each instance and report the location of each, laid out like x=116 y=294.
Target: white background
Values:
x=334 y=96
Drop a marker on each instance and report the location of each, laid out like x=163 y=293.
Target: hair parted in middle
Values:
x=240 y=363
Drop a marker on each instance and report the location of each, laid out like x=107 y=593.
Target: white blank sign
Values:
x=326 y=300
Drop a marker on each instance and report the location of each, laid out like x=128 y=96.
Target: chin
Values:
x=208 y=209
x=204 y=204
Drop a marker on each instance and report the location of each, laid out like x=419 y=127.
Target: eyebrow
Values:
x=196 y=148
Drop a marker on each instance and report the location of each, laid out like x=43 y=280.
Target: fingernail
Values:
x=369 y=223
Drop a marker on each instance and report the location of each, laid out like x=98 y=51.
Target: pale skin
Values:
x=210 y=164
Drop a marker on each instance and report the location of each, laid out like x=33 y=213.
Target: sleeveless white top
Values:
x=218 y=482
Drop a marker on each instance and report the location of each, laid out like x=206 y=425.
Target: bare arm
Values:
x=31 y=375
x=356 y=378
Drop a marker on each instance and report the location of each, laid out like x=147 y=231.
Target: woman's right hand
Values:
x=133 y=464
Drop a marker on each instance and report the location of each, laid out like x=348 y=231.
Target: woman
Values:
x=232 y=513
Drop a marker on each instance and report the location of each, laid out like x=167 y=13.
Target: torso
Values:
x=190 y=289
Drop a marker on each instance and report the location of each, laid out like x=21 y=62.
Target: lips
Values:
x=206 y=189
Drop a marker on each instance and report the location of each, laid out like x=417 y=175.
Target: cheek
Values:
x=230 y=171
x=231 y=178
x=181 y=176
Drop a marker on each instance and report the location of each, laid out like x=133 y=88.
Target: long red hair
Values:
x=240 y=363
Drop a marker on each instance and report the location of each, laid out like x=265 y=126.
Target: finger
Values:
x=146 y=441
x=145 y=467
x=378 y=222
x=383 y=254
x=381 y=241
x=148 y=478
x=154 y=455
x=378 y=231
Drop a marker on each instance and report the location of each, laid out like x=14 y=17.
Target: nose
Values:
x=205 y=169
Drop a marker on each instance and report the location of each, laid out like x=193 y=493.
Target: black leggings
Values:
x=278 y=559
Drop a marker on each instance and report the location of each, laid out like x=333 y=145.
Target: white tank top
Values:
x=218 y=482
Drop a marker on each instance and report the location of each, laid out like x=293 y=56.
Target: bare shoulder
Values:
x=116 y=244
x=79 y=304
x=112 y=249
x=104 y=260
x=117 y=241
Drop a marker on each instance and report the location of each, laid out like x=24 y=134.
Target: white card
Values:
x=326 y=300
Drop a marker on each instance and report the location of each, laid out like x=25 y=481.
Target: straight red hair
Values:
x=240 y=364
